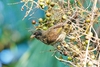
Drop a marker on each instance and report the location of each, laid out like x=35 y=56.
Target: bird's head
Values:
x=37 y=34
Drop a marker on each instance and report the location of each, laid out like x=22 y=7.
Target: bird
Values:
x=51 y=36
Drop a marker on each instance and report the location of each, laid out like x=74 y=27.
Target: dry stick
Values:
x=99 y=60
x=96 y=47
x=65 y=61
x=30 y=9
x=15 y=3
x=68 y=4
x=92 y=17
x=86 y=52
x=88 y=5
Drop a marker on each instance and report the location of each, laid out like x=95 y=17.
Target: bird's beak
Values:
x=32 y=36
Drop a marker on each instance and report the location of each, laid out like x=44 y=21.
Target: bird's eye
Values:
x=36 y=33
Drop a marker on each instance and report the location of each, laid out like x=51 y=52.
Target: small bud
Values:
x=41 y=0
x=48 y=14
x=33 y=22
x=51 y=24
x=69 y=12
x=90 y=63
x=92 y=56
x=22 y=9
x=89 y=35
x=47 y=1
x=48 y=18
x=60 y=57
x=45 y=28
x=69 y=58
x=65 y=53
x=52 y=4
x=64 y=17
x=72 y=38
x=86 y=41
x=40 y=20
x=58 y=47
x=87 y=20
x=41 y=4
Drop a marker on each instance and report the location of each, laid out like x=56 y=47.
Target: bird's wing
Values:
x=53 y=34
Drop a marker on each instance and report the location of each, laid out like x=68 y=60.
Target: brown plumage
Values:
x=52 y=35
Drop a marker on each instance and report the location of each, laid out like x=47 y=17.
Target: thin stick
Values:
x=65 y=61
